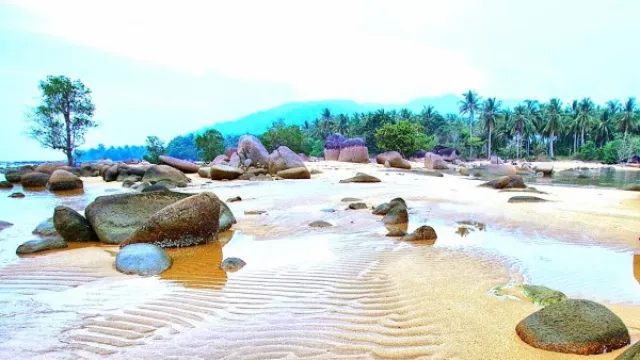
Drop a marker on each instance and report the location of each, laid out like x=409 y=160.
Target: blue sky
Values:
x=167 y=68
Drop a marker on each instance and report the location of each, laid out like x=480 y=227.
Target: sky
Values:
x=166 y=68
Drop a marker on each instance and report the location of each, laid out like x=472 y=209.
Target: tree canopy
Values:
x=210 y=144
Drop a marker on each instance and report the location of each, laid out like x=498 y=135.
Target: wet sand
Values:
x=346 y=292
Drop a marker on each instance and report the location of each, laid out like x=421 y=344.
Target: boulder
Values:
x=220 y=159
x=526 y=199
x=500 y=170
x=545 y=168
x=116 y=217
x=224 y=172
x=111 y=174
x=47 y=168
x=182 y=165
x=542 y=295
x=424 y=232
x=156 y=187
x=250 y=148
x=142 y=259
x=495 y=160
x=357 y=206
x=232 y=264
x=5 y=185
x=394 y=159
x=191 y=221
x=157 y=173
x=88 y=170
x=234 y=199
x=230 y=151
x=14 y=174
x=396 y=232
x=234 y=161
x=34 y=180
x=132 y=170
x=332 y=147
x=574 y=326
x=131 y=180
x=205 y=172
x=506 y=182
x=397 y=215
x=320 y=224
x=361 y=178
x=354 y=150
x=72 y=226
x=62 y=180
x=17 y=195
x=419 y=154
x=435 y=162
x=74 y=171
x=5 y=224
x=46 y=229
x=33 y=246
x=283 y=158
x=384 y=208
x=295 y=173
x=632 y=353
x=447 y=153
x=635 y=187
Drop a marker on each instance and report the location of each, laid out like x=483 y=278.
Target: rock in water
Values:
x=232 y=264
x=434 y=162
x=34 y=180
x=361 y=178
x=5 y=224
x=397 y=216
x=320 y=224
x=5 y=185
x=542 y=295
x=526 y=199
x=632 y=353
x=182 y=165
x=506 y=182
x=33 y=246
x=72 y=226
x=188 y=222
x=294 y=173
x=157 y=173
x=357 y=206
x=224 y=172
x=283 y=158
x=396 y=233
x=14 y=174
x=250 y=148
x=545 y=168
x=500 y=170
x=17 y=195
x=394 y=159
x=422 y=233
x=62 y=180
x=384 y=208
x=111 y=174
x=46 y=229
x=116 y=217
x=142 y=259
x=574 y=326
x=156 y=187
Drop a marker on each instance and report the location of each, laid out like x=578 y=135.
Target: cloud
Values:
x=363 y=50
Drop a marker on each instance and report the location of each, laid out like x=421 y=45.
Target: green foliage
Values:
x=628 y=146
x=290 y=136
x=317 y=148
x=609 y=153
x=210 y=144
x=404 y=136
x=155 y=148
x=587 y=152
x=183 y=147
x=64 y=116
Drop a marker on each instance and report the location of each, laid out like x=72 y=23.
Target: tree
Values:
x=490 y=113
x=155 y=148
x=519 y=123
x=553 y=115
x=210 y=144
x=604 y=128
x=470 y=104
x=64 y=117
x=290 y=136
x=628 y=117
x=405 y=137
x=585 y=116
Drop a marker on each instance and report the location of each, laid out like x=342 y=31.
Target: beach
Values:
x=342 y=292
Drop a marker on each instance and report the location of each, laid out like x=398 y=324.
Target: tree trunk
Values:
x=489 y=145
x=518 y=146
x=575 y=141
x=68 y=145
x=551 y=145
x=582 y=138
x=470 y=134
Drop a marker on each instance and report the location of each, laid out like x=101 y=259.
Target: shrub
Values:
x=587 y=152
x=404 y=136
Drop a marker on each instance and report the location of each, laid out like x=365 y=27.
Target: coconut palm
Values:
x=604 y=128
x=628 y=117
x=490 y=113
x=585 y=116
x=553 y=115
x=519 y=121
x=614 y=107
x=470 y=105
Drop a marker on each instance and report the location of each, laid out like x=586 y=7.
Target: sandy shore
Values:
x=346 y=292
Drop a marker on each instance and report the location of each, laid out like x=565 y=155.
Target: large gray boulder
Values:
x=435 y=162
x=62 y=180
x=394 y=159
x=158 y=173
x=116 y=217
x=224 y=172
x=14 y=174
x=250 y=148
x=46 y=229
x=283 y=158
x=72 y=226
x=190 y=221
x=34 y=180
x=182 y=165
x=142 y=259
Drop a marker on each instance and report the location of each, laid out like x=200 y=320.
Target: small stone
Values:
x=350 y=199
x=422 y=233
x=361 y=178
x=33 y=246
x=320 y=224
x=526 y=199
x=232 y=264
x=142 y=259
x=254 y=212
x=17 y=195
x=234 y=199
x=357 y=206
x=315 y=172
x=328 y=210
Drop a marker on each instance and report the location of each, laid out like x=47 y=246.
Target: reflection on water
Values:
x=579 y=270
x=197 y=266
x=603 y=177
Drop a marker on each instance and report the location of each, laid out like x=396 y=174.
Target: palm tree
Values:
x=604 y=126
x=470 y=104
x=490 y=112
x=405 y=114
x=430 y=119
x=585 y=116
x=519 y=121
x=553 y=115
x=628 y=117
x=574 y=125
x=342 y=123
x=614 y=107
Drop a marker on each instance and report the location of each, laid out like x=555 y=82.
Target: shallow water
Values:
x=602 y=177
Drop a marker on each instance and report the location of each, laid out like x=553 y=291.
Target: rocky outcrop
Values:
x=38 y=245
x=62 y=180
x=447 y=153
x=361 y=178
x=250 y=148
x=48 y=168
x=46 y=229
x=158 y=173
x=14 y=174
x=420 y=234
x=182 y=165
x=143 y=260
x=72 y=226
x=574 y=326
x=394 y=159
x=191 y=221
x=232 y=264
x=506 y=182
x=434 y=161
x=332 y=147
x=354 y=150
x=34 y=180
x=224 y=172
x=283 y=158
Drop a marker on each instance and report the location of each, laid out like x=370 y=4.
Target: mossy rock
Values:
x=357 y=206
x=574 y=326
x=632 y=353
x=542 y=295
x=320 y=224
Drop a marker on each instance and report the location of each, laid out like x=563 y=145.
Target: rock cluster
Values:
x=339 y=148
